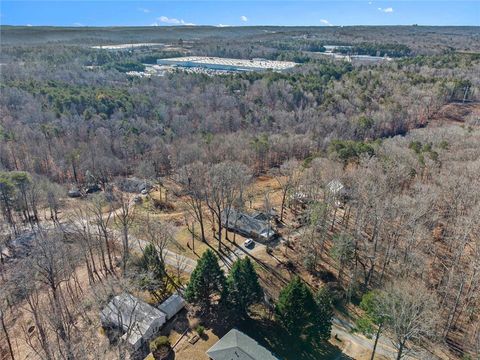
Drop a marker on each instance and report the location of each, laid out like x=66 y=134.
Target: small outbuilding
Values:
x=138 y=320
x=337 y=192
x=172 y=306
x=238 y=346
x=335 y=187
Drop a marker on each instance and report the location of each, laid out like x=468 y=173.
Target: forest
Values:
x=369 y=174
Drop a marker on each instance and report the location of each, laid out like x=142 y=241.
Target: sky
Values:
x=239 y=13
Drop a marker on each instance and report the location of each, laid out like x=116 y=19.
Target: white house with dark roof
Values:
x=235 y=345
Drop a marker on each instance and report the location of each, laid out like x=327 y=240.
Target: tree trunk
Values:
x=125 y=249
x=7 y=336
x=219 y=233
x=400 y=350
x=377 y=336
x=74 y=168
x=202 y=227
x=283 y=204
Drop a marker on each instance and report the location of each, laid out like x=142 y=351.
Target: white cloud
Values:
x=146 y=11
x=243 y=18
x=386 y=10
x=172 y=21
x=77 y=24
x=326 y=22
x=168 y=20
x=29 y=25
x=223 y=25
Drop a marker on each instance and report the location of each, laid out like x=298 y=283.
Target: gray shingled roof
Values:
x=247 y=225
x=172 y=305
x=235 y=345
x=126 y=312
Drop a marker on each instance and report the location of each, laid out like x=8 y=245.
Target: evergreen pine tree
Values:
x=302 y=314
x=206 y=281
x=296 y=308
x=154 y=278
x=324 y=314
x=151 y=261
x=243 y=287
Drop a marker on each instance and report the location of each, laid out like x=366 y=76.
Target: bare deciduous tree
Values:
x=124 y=218
x=412 y=313
x=226 y=183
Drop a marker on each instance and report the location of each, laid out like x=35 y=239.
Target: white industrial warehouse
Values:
x=226 y=64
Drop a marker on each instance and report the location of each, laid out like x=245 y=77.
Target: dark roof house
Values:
x=248 y=225
x=235 y=345
x=265 y=216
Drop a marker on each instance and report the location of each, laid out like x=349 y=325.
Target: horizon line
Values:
x=229 y=26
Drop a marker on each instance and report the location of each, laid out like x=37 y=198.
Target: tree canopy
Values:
x=206 y=281
x=300 y=314
x=243 y=288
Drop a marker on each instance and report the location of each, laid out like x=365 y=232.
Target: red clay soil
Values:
x=454 y=114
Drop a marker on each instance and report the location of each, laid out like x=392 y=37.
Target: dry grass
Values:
x=186 y=351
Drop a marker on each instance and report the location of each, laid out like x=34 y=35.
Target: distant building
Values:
x=248 y=225
x=300 y=197
x=337 y=192
x=335 y=187
x=235 y=345
x=134 y=185
x=136 y=319
x=225 y=64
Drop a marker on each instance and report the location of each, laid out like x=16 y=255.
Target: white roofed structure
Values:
x=226 y=64
x=172 y=306
x=138 y=320
x=335 y=187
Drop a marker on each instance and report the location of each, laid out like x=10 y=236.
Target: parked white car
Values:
x=248 y=243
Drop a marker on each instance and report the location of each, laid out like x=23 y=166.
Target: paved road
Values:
x=171 y=258
x=342 y=330
x=238 y=253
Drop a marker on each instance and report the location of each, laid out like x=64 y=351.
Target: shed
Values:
x=335 y=187
x=172 y=305
x=337 y=192
x=138 y=320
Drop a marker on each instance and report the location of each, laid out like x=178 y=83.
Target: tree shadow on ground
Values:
x=269 y=334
